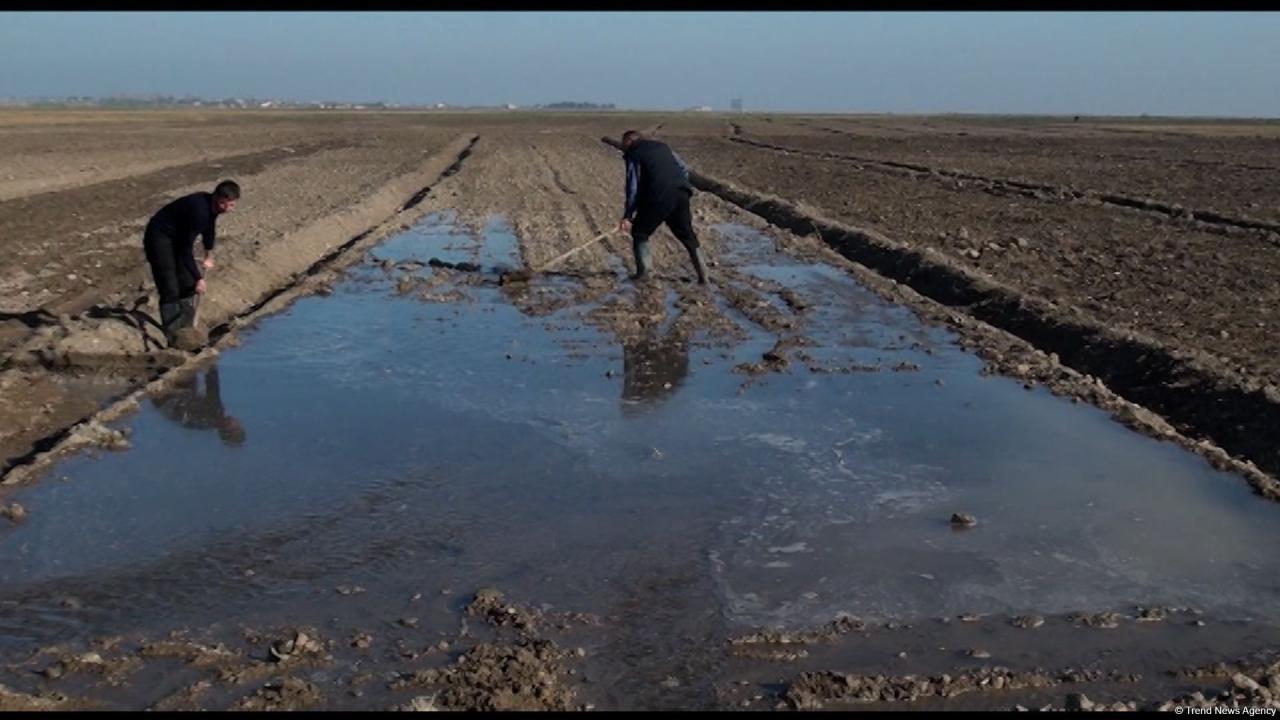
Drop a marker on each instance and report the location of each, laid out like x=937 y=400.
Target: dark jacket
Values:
x=654 y=175
x=181 y=220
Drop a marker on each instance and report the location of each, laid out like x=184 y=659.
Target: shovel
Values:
x=525 y=274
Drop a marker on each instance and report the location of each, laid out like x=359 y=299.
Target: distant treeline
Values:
x=578 y=106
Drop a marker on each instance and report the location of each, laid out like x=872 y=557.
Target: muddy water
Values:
x=419 y=439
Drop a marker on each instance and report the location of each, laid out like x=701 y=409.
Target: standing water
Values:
x=419 y=439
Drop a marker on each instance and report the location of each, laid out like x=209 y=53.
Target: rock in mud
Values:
x=421 y=703
x=1079 y=702
x=300 y=644
x=1106 y=620
x=842 y=625
x=94 y=433
x=92 y=662
x=793 y=300
x=1028 y=621
x=189 y=340
x=963 y=520
x=13 y=512
x=528 y=675
x=195 y=654
x=14 y=701
x=491 y=605
x=1152 y=614
x=288 y=694
x=1243 y=682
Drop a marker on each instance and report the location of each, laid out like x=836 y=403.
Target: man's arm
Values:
x=208 y=237
x=186 y=252
x=633 y=190
x=680 y=161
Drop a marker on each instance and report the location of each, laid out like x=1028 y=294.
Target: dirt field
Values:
x=71 y=245
x=1127 y=265
x=1197 y=291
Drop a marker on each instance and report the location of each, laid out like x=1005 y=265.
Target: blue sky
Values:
x=1089 y=63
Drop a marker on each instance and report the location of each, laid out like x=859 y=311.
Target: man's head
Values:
x=629 y=138
x=225 y=196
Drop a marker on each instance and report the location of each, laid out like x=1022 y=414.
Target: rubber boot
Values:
x=699 y=265
x=643 y=258
x=188 y=317
x=169 y=317
x=182 y=333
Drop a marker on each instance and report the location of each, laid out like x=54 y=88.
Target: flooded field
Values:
x=371 y=459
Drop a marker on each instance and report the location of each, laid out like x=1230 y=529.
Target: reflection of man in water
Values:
x=185 y=405
x=652 y=368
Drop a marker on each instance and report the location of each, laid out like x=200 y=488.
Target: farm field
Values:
x=400 y=476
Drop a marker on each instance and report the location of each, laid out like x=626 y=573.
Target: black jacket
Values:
x=654 y=175
x=181 y=220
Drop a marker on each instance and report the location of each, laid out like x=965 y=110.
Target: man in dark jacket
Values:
x=169 y=243
x=658 y=191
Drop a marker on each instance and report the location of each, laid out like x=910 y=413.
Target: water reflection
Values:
x=654 y=368
x=184 y=404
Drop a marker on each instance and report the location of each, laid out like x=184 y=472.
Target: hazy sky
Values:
x=1089 y=63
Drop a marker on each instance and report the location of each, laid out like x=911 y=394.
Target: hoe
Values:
x=526 y=274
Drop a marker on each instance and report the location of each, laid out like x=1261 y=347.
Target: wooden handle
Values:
x=584 y=245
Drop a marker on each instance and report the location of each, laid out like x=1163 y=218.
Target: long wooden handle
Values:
x=583 y=246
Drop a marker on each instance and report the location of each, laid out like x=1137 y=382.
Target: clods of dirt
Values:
x=288 y=694
x=529 y=675
x=13 y=512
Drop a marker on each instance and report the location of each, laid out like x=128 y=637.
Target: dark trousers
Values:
x=678 y=217
x=173 y=281
x=176 y=285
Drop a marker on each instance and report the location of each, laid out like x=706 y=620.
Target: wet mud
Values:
x=429 y=489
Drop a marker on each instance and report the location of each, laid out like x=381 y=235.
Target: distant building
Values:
x=509 y=106
x=736 y=104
